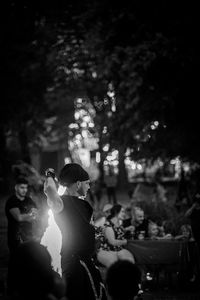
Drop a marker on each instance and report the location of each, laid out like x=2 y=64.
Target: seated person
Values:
x=153 y=231
x=123 y=280
x=112 y=247
x=154 y=234
x=185 y=233
x=140 y=223
x=169 y=227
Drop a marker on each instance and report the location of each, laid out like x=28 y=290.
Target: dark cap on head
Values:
x=21 y=180
x=72 y=173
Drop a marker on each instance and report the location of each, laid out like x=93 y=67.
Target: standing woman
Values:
x=112 y=247
x=73 y=216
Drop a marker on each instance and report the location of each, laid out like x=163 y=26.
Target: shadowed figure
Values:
x=34 y=276
x=123 y=279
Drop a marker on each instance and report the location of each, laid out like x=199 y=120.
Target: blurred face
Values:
x=21 y=190
x=139 y=216
x=107 y=213
x=83 y=188
x=153 y=230
x=122 y=214
x=185 y=232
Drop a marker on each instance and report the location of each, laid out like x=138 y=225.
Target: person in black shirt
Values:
x=73 y=215
x=21 y=212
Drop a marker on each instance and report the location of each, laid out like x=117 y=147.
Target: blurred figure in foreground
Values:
x=34 y=276
x=123 y=280
x=73 y=215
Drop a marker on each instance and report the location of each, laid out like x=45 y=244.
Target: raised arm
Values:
x=54 y=201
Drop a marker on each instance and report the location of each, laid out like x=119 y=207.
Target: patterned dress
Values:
x=119 y=235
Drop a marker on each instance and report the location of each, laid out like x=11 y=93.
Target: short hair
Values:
x=72 y=173
x=21 y=180
x=122 y=280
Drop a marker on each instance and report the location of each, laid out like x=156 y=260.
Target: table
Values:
x=181 y=255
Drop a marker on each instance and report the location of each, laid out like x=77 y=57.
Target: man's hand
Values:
x=34 y=213
x=53 y=199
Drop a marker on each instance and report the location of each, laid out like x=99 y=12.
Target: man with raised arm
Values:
x=73 y=216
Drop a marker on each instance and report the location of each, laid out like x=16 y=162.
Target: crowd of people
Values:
x=87 y=243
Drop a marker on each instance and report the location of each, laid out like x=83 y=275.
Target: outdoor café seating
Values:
x=179 y=257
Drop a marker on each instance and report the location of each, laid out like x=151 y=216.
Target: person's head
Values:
x=122 y=280
x=21 y=187
x=128 y=212
x=106 y=209
x=138 y=215
x=75 y=178
x=34 y=275
x=117 y=211
x=153 y=230
x=186 y=231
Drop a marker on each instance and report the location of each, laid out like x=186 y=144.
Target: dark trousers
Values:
x=83 y=280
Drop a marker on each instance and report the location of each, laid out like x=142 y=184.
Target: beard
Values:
x=82 y=192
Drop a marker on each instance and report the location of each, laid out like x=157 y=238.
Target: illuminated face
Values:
x=83 y=188
x=21 y=190
x=139 y=216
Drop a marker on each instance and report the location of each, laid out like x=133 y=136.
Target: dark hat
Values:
x=72 y=173
x=21 y=180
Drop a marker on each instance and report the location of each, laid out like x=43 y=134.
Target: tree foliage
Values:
x=139 y=57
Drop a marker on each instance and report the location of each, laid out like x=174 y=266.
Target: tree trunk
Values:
x=122 y=177
x=23 y=140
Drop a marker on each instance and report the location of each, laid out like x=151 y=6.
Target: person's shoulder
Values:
x=71 y=202
x=11 y=202
x=67 y=201
x=11 y=199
